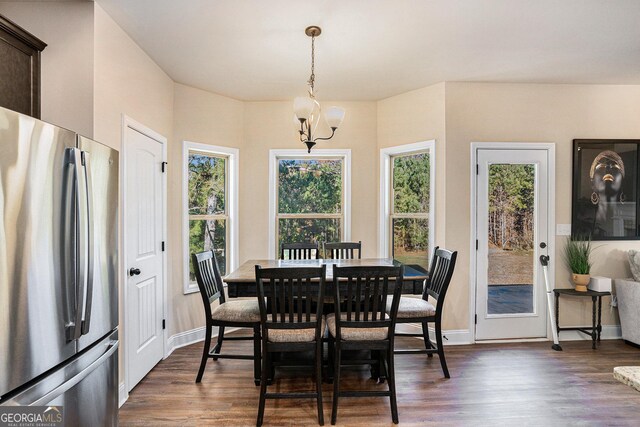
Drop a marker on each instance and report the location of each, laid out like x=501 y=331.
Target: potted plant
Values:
x=576 y=255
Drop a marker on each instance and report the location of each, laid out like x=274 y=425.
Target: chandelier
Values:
x=307 y=109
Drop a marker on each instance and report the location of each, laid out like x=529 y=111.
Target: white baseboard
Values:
x=185 y=338
x=451 y=337
x=455 y=336
x=182 y=339
x=122 y=394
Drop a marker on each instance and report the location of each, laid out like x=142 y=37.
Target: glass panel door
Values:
x=511 y=212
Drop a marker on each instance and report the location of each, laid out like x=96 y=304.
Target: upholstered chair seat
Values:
x=296 y=335
x=356 y=334
x=413 y=307
x=237 y=311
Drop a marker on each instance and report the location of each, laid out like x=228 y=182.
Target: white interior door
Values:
x=144 y=201
x=512 y=218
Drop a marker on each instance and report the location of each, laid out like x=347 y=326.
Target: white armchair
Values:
x=628 y=293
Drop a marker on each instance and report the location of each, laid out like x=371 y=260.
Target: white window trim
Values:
x=345 y=155
x=384 y=242
x=233 y=155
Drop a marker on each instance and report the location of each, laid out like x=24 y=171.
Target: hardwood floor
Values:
x=491 y=384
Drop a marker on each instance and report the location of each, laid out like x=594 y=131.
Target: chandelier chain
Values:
x=312 y=78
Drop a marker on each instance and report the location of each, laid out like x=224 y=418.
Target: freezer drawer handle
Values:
x=113 y=346
x=33 y=398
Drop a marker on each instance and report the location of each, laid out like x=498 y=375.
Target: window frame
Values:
x=231 y=205
x=321 y=154
x=387 y=214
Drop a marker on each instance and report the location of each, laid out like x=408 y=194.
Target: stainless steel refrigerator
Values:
x=58 y=271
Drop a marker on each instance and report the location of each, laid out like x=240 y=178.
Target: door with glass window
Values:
x=512 y=233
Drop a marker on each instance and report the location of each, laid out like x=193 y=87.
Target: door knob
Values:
x=134 y=271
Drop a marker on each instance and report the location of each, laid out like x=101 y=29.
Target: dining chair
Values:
x=421 y=310
x=299 y=251
x=291 y=322
x=341 y=250
x=238 y=313
x=360 y=323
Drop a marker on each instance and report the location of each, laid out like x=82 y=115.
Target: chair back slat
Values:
x=440 y=273
x=365 y=294
x=342 y=250
x=294 y=296
x=208 y=278
x=299 y=251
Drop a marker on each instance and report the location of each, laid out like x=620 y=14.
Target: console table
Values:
x=596 y=326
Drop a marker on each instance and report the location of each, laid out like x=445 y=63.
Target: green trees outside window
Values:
x=309 y=200
x=411 y=199
x=511 y=206
x=207 y=208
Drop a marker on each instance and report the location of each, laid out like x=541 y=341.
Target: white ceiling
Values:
x=372 y=49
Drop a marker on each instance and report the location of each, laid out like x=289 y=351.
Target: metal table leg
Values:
x=593 y=322
x=599 y=317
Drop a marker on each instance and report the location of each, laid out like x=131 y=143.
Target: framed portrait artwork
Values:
x=606 y=189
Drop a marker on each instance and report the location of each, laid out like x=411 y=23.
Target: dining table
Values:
x=241 y=282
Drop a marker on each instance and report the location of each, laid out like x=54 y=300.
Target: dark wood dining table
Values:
x=242 y=281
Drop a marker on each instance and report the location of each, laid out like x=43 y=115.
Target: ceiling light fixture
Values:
x=307 y=109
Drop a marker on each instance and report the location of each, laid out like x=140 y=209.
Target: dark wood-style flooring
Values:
x=524 y=384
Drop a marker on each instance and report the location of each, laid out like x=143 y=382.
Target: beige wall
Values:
x=477 y=112
x=67 y=61
x=206 y=118
x=417 y=116
x=269 y=125
x=127 y=82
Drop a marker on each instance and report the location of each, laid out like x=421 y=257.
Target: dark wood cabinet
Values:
x=19 y=69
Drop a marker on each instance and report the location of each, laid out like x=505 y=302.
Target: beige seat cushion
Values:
x=413 y=307
x=296 y=335
x=356 y=334
x=237 y=311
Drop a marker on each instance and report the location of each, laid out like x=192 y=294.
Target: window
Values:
x=407 y=203
x=308 y=197
x=210 y=204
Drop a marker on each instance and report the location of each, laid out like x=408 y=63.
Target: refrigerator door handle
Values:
x=74 y=330
x=86 y=161
x=70 y=294
x=82 y=224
